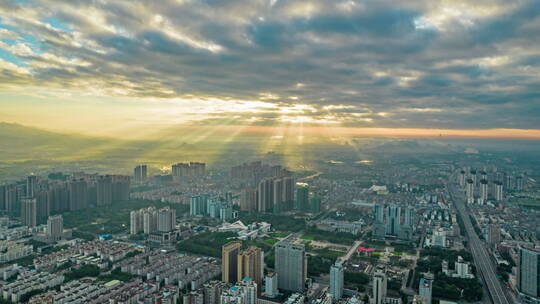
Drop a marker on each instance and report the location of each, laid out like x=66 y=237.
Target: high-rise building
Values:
x=271 y=285
x=265 y=195
x=461 y=178
x=509 y=182
x=425 y=288
x=244 y=292
x=226 y=211
x=528 y=281
x=379 y=229
x=520 y=183
x=198 y=205
x=462 y=269
x=393 y=220
x=379 y=288
x=250 y=264
x=483 y=191
x=120 y=187
x=78 y=194
x=472 y=176
x=290 y=265
x=29 y=212
x=150 y=220
x=229 y=260
x=250 y=290
x=498 y=191
x=11 y=197
x=182 y=171
x=55 y=227
x=31 y=185
x=214 y=207
x=407 y=229
x=315 y=204
x=288 y=190
x=194 y=297
x=166 y=219
x=212 y=291
x=302 y=198
x=483 y=176
x=104 y=190
x=136 y=221
x=379 y=213
x=336 y=280
x=43 y=205
x=3 y=189
x=278 y=187
x=140 y=173
x=439 y=237
x=248 y=200
x=409 y=217
x=197 y=169
x=469 y=190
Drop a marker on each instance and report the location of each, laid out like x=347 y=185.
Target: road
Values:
x=478 y=251
x=309 y=177
x=351 y=251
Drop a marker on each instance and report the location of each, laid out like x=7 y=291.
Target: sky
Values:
x=132 y=68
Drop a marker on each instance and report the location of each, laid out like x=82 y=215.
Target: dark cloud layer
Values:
x=441 y=64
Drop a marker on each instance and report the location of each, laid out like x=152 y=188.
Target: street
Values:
x=481 y=257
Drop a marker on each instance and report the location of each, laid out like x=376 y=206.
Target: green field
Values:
x=271 y=241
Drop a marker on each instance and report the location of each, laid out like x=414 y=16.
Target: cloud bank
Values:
x=375 y=63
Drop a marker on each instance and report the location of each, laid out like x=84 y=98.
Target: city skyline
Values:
x=371 y=68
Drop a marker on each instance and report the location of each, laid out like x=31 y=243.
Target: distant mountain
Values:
x=15 y=136
x=25 y=149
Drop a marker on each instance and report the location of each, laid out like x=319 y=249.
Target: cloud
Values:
x=448 y=64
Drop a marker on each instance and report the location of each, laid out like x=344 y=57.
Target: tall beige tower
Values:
x=229 y=261
x=250 y=265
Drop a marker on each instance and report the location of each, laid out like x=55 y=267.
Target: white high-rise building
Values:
x=149 y=220
x=472 y=176
x=379 y=288
x=144 y=220
x=483 y=191
x=244 y=292
x=439 y=237
x=136 y=221
x=55 y=227
x=250 y=288
x=462 y=269
x=498 y=191
x=336 y=280
x=271 y=285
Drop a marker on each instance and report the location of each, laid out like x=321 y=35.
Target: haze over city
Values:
x=269 y=152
